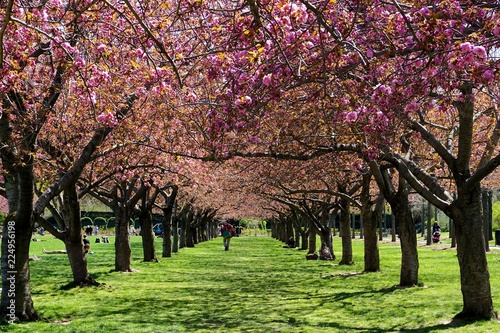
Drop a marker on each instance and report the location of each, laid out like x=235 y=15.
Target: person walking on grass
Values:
x=227 y=231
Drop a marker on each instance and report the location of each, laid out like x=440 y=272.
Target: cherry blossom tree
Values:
x=356 y=64
x=58 y=64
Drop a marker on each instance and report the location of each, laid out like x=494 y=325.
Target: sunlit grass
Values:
x=257 y=286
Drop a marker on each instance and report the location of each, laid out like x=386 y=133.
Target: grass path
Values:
x=257 y=286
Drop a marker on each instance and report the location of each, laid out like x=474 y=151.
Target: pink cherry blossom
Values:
x=79 y=62
x=496 y=30
x=352 y=116
x=108 y=119
x=101 y=47
x=480 y=52
x=488 y=75
x=466 y=47
x=266 y=80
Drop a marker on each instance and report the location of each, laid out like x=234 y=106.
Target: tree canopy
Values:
x=270 y=101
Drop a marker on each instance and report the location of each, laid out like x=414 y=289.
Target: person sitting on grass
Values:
x=325 y=253
x=86 y=244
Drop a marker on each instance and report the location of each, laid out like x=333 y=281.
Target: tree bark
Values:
x=304 y=234
x=72 y=237
x=148 y=237
x=486 y=219
x=78 y=263
x=167 y=232
x=371 y=252
x=408 y=238
x=123 y=251
x=429 y=224
x=370 y=222
x=175 y=230
x=183 y=232
x=474 y=274
x=311 y=241
x=16 y=302
x=346 y=233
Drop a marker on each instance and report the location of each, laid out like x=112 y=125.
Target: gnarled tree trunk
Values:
x=474 y=274
x=72 y=237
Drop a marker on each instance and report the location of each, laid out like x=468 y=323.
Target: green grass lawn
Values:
x=257 y=286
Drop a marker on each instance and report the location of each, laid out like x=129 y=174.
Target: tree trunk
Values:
x=190 y=235
x=326 y=237
x=78 y=263
x=73 y=238
x=175 y=230
x=298 y=237
x=167 y=233
x=474 y=274
x=16 y=302
x=190 y=232
x=304 y=234
x=312 y=241
x=182 y=236
x=452 y=234
x=408 y=239
x=353 y=225
x=393 y=227
x=148 y=236
x=429 y=224
x=371 y=254
x=16 y=291
x=486 y=220
x=289 y=229
x=346 y=234
x=123 y=251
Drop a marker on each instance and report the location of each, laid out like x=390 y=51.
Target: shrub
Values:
x=86 y=221
x=101 y=222
x=496 y=215
x=111 y=223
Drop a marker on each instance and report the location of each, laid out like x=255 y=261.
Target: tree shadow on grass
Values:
x=342 y=275
x=454 y=324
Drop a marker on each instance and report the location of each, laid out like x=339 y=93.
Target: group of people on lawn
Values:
x=227 y=232
x=86 y=246
x=324 y=251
